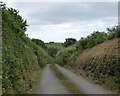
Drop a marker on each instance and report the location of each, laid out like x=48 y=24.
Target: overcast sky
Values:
x=55 y=21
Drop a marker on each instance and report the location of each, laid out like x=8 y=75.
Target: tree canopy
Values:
x=69 y=41
x=40 y=43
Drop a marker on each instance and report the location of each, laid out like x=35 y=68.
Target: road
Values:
x=83 y=85
x=50 y=84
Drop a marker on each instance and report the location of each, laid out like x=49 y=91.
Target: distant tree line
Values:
x=40 y=43
x=90 y=41
x=50 y=50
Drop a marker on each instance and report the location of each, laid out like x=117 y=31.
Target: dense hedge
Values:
x=22 y=59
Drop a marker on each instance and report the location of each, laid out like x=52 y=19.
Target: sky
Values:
x=57 y=20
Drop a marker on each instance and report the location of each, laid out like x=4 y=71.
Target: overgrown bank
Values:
x=22 y=58
x=99 y=63
x=95 y=57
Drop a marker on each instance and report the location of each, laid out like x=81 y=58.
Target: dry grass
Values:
x=107 y=48
x=95 y=63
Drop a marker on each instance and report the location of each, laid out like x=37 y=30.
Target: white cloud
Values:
x=58 y=32
x=55 y=22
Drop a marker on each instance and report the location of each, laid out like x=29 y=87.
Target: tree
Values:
x=69 y=41
x=52 y=42
x=113 y=32
x=52 y=51
x=81 y=44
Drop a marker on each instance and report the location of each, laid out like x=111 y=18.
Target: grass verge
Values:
x=70 y=86
x=36 y=80
x=0 y=85
x=0 y=90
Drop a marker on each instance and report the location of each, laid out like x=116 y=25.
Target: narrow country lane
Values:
x=50 y=83
x=83 y=85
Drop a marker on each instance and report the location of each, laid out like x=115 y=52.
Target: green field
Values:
x=55 y=45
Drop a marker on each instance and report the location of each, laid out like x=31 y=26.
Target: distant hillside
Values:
x=99 y=63
x=22 y=59
x=59 y=46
